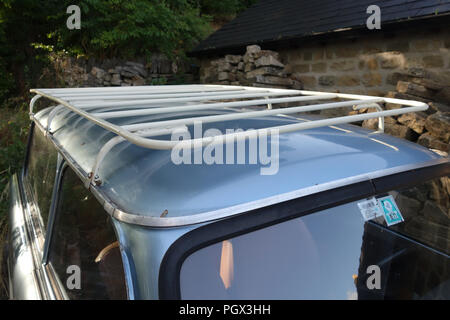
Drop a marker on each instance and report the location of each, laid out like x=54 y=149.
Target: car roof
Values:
x=146 y=182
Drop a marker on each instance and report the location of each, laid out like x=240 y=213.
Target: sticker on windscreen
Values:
x=370 y=209
x=390 y=210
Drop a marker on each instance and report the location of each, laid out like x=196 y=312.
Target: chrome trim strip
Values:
x=242 y=208
x=51 y=292
x=23 y=270
x=51 y=218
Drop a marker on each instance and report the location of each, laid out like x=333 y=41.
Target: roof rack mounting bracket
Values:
x=376 y=106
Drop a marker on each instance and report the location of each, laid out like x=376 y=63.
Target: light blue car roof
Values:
x=147 y=183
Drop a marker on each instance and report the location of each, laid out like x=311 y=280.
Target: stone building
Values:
x=326 y=45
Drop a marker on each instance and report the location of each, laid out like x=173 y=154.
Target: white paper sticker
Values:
x=370 y=209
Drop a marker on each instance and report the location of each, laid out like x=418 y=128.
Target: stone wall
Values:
x=72 y=72
x=408 y=65
x=364 y=65
x=368 y=64
x=259 y=68
x=431 y=128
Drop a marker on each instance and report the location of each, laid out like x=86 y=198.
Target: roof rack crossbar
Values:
x=149 y=103
x=149 y=107
x=247 y=115
x=136 y=96
x=157 y=89
x=134 y=102
x=194 y=143
x=205 y=106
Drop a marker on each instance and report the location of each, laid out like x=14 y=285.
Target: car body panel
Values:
x=145 y=248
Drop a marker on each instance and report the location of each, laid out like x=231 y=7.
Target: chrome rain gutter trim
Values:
x=170 y=222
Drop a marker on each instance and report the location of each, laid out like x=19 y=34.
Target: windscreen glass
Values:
x=393 y=246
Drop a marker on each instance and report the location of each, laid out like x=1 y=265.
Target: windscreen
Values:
x=392 y=246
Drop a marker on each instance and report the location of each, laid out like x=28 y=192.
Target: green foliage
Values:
x=30 y=29
x=6 y=80
x=14 y=125
x=22 y=22
x=6 y=77
x=128 y=28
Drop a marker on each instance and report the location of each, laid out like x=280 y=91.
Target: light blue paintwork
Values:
x=145 y=248
x=146 y=182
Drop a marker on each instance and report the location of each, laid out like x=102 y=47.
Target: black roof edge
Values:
x=352 y=33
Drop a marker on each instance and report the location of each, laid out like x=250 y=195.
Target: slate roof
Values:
x=274 y=20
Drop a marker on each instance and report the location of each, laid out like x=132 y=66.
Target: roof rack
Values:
x=147 y=100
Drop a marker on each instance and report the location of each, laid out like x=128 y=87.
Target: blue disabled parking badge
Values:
x=390 y=209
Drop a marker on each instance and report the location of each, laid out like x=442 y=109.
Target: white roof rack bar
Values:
x=164 y=88
x=204 y=106
x=136 y=96
x=132 y=102
x=150 y=89
x=152 y=103
x=290 y=127
x=186 y=93
x=134 y=88
x=247 y=115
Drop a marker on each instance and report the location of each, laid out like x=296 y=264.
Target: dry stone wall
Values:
x=257 y=67
x=72 y=72
x=431 y=128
